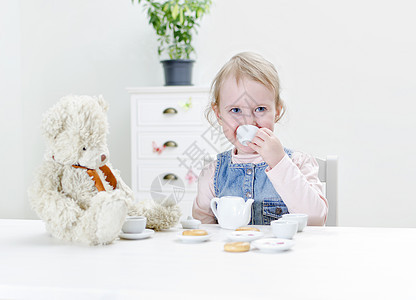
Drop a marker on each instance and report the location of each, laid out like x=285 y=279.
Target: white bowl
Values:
x=302 y=219
x=284 y=229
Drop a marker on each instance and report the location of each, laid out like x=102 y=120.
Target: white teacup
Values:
x=246 y=133
x=302 y=219
x=284 y=229
x=134 y=224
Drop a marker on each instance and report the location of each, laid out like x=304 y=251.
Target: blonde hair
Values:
x=249 y=65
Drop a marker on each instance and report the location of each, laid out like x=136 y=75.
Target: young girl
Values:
x=281 y=181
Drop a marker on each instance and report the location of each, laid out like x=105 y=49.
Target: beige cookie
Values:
x=195 y=232
x=237 y=247
x=247 y=229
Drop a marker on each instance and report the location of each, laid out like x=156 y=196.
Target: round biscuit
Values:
x=237 y=247
x=195 y=232
x=247 y=229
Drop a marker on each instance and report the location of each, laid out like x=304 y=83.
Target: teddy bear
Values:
x=76 y=191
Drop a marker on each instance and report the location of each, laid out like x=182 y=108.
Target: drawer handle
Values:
x=170 y=111
x=170 y=144
x=170 y=176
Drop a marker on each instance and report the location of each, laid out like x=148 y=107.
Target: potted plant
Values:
x=175 y=22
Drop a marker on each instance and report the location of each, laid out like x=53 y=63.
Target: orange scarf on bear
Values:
x=109 y=177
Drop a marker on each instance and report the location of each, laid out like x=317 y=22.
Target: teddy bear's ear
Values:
x=102 y=103
x=52 y=123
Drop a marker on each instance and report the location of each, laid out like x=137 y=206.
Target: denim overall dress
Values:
x=249 y=181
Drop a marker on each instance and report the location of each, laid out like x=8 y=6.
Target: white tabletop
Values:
x=325 y=263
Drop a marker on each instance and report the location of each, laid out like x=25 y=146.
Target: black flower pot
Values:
x=178 y=71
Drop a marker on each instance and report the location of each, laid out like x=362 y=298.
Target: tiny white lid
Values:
x=190 y=223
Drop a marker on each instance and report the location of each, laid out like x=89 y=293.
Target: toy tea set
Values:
x=234 y=213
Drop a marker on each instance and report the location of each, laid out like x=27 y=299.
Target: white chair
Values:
x=328 y=173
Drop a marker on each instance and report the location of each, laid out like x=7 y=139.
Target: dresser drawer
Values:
x=150 y=176
x=189 y=144
x=185 y=204
x=162 y=110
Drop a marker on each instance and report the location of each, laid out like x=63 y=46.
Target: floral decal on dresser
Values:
x=186 y=105
x=158 y=149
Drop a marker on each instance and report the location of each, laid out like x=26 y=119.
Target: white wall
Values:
x=346 y=69
x=13 y=201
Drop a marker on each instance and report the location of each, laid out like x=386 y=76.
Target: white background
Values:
x=347 y=71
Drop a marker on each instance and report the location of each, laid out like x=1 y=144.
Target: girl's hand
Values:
x=268 y=146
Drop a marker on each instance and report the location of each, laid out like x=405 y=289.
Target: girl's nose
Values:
x=251 y=120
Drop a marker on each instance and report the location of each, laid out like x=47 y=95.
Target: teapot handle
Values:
x=249 y=202
x=214 y=203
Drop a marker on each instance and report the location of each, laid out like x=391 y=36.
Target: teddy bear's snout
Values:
x=103 y=157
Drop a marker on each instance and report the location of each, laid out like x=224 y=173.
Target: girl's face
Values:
x=247 y=102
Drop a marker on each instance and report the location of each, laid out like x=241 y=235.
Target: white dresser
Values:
x=170 y=142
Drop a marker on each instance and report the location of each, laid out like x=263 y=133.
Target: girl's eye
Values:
x=260 y=109
x=85 y=149
x=235 y=110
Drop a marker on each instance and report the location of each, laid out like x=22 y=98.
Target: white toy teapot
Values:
x=232 y=212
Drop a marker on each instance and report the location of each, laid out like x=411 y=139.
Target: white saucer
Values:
x=245 y=236
x=194 y=238
x=137 y=236
x=273 y=245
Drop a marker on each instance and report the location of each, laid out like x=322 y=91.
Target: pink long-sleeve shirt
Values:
x=295 y=180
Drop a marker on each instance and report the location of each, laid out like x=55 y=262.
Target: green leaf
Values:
x=175 y=11
x=181 y=16
x=175 y=22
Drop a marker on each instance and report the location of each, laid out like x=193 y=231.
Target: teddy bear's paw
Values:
x=160 y=217
x=110 y=220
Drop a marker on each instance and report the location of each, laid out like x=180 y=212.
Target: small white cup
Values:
x=246 y=133
x=302 y=219
x=134 y=224
x=284 y=229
